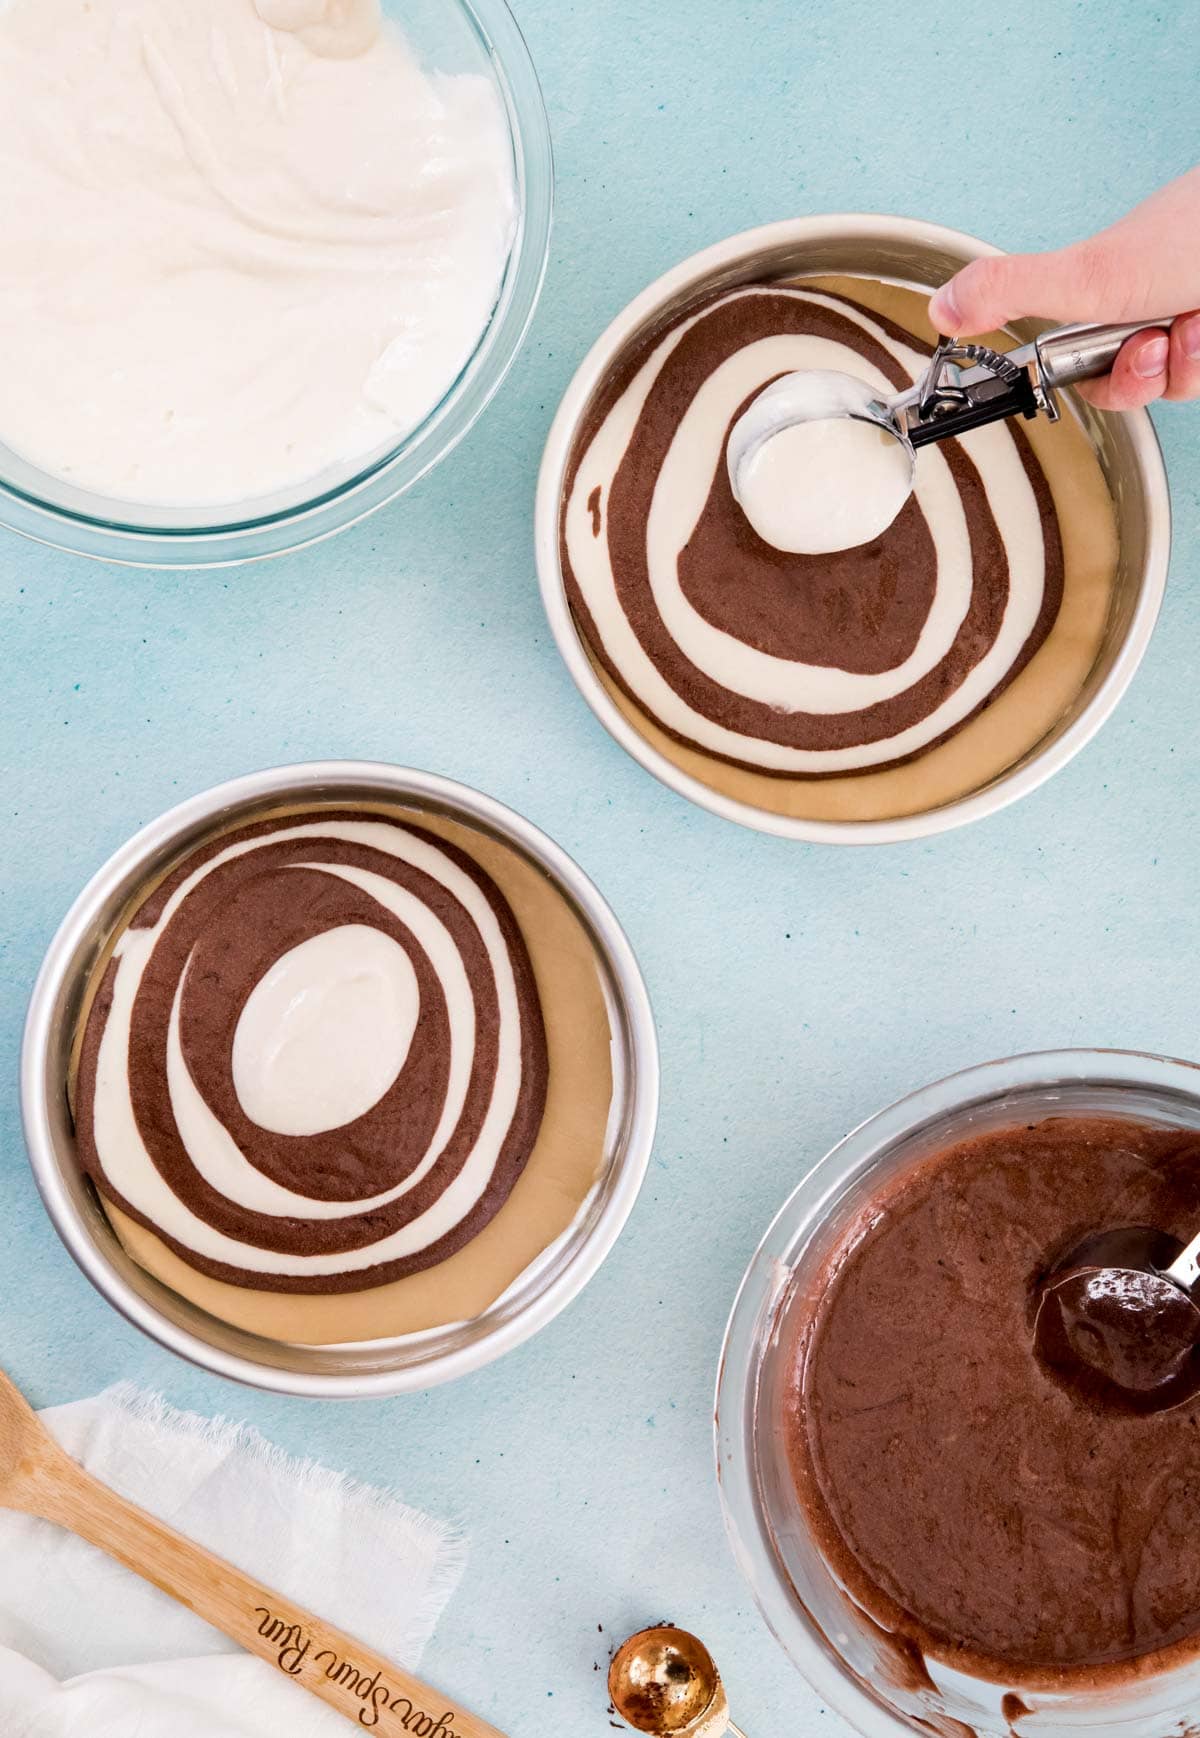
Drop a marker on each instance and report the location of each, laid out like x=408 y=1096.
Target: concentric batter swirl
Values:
x=791 y=664
x=196 y=1109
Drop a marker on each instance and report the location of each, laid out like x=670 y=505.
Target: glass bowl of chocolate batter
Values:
x=898 y=689
x=339 y=1079
x=943 y=1534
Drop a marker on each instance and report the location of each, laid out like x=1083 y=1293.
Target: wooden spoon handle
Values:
x=358 y=1683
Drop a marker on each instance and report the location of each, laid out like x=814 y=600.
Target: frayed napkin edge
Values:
x=444 y=1542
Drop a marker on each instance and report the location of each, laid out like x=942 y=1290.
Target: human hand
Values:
x=1145 y=267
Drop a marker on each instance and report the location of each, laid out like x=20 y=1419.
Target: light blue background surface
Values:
x=797 y=989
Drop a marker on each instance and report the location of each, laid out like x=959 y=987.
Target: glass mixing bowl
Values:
x=834 y=1644
x=452 y=36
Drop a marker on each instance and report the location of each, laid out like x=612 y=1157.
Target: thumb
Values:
x=1063 y=285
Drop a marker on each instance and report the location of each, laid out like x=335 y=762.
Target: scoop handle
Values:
x=1073 y=353
x=358 y=1683
x=1185 y=1269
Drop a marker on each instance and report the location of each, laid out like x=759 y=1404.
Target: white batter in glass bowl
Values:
x=271 y=260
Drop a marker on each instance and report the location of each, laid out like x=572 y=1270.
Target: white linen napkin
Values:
x=86 y=1648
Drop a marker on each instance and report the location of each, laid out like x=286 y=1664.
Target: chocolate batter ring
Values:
x=217 y=925
x=861 y=611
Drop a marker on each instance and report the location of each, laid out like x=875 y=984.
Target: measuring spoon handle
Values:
x=358 y=1683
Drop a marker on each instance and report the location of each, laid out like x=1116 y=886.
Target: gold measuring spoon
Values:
x=37 y=1477
x=664 y=1681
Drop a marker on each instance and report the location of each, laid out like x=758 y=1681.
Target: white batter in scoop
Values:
x=821 y=486
x=811 y=467
x=245 y=241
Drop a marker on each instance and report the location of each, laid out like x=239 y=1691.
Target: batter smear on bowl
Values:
x=967 y=1500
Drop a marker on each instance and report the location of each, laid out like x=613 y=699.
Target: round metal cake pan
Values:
x=922 y=256
x=369 y=1368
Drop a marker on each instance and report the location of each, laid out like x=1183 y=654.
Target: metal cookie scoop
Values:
x=1117 y=1323
x=964 y=387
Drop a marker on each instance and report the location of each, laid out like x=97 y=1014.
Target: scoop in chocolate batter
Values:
x=1115 y=1329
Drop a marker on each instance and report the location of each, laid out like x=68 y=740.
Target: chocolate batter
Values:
x=567 y=1154
x=858 y=610
x=971 y=1502
x=233 y=925
x=872 y=620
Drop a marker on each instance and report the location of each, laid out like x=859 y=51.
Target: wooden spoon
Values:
x=37 y=1477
